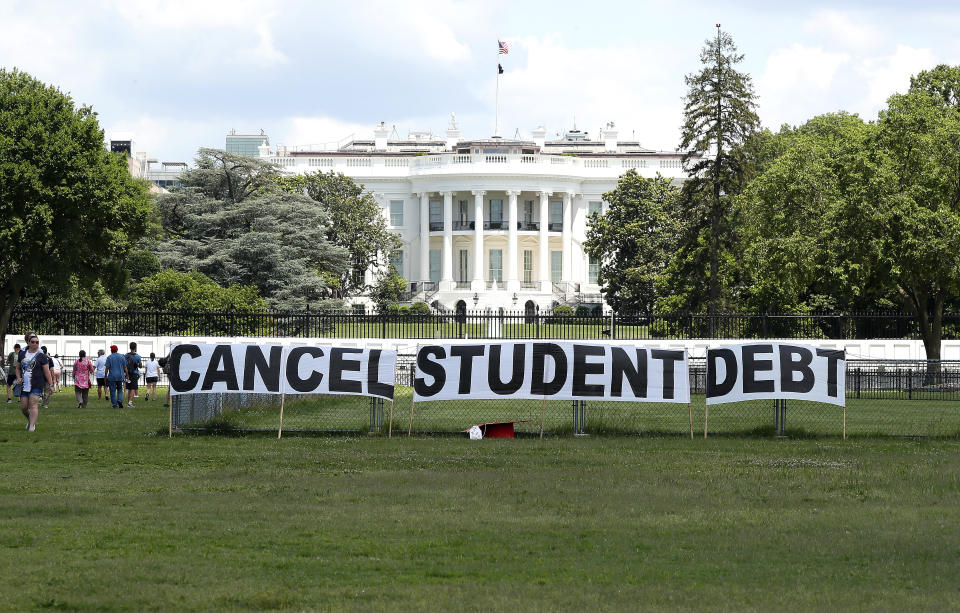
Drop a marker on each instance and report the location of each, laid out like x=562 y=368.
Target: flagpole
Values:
x=496 y=121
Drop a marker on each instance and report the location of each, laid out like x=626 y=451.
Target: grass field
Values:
x=99 y=510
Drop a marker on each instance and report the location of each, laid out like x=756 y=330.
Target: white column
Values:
x=544 y=265
x=477 y=284
x=566 y=237
x=513 y=280
x=424 y=236
x=446 y=268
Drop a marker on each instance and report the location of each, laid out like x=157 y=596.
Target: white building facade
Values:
x=489 y=224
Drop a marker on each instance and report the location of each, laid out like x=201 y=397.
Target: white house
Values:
x=491 y=223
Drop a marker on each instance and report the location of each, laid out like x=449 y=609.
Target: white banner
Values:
x=275 y=369
x=775 y=370
x=562 y=371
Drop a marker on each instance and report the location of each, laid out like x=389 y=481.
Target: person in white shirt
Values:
x=101 y=373
x=153 y=375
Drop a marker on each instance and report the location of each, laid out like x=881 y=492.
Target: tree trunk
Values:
x=9 y=296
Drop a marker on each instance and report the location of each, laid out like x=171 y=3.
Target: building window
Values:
x=594 y=207
x=528 y=212
x=396 y=260
x=463 y=209
x=435 y=265
x=528 y=266
x=556 y=215
x=496 y=265
x=357 y=271
x=463 y=273
x=396 y=213
x=436 y=215
x=556 y=266
x=496 y=214
x=593 y=271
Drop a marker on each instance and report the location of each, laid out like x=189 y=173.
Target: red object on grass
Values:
x=498 y=429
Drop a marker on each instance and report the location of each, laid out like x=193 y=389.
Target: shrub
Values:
x=420 y=308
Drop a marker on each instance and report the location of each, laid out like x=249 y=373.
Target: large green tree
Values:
x=69 y=210
x=172 y=290
x=232 y=222
x=356 y=223
x=865 y=211
x=634 y=240
x=719 y=118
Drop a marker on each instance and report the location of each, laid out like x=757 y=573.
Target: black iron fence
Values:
x=581 y=324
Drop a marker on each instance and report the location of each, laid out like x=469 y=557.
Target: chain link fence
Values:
x=883 y=398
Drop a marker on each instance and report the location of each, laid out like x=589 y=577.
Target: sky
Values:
x=178 y=75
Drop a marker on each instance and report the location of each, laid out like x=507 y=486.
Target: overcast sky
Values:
x=179 y=75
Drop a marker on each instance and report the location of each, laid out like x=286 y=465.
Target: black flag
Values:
x=500 y=68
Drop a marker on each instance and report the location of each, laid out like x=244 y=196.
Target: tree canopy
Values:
x=356 y=223
x=69 y=210
x=634 y=240
x=231 y=222
x=719 y=118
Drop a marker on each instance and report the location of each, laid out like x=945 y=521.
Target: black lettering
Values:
x=721 y=388
x=431 y=368
x=788 y=366
x=254 y=362
x=466 y=353
x=636 y=375
x=221 y=369
x=293 y=369
x=833 y=356
x=538 y=385
x=516 y=379
x=173 y=368
x=669 y=357
x=337 y=367
x=374 y=386
x=582 y=368
x=751 y=366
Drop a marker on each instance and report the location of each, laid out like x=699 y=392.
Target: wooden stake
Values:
x=410 y=429
x=171 y=418
x=690 y=410
x=706 y=418
x=283 y=396
x=844 y=422
x=390 y=428
x=543 y=415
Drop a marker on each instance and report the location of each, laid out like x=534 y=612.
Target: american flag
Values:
x=502 y=47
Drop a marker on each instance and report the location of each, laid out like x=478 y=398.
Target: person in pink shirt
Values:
x=82 y=369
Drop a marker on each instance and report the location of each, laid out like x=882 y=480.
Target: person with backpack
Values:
x=133 y=373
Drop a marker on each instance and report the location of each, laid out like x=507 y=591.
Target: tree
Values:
x=719 y=117
x=177 y=291
x=231 y=222
x=388 y=289
x=634 y=240
x=69 y=210
x=356 y=223
x=868 y=209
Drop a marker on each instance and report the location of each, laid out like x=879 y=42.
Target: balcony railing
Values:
x=555 y=227
x=436 y=226
x=463 y=225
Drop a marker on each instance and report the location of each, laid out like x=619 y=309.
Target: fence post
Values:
x=383 y=324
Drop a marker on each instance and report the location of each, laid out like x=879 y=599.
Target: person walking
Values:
x=12 y=359
x=82 y=369
x=116 y=373
x=33 y=371
x=152 y=370
x=101 y=372
x=57 y=367
x=133 y=373
x=47 y=391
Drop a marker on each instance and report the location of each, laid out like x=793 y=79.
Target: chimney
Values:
x=539 y=136
x=453 y=133
x=610 y=137
x=380 y=137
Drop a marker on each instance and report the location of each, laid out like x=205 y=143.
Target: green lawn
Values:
x=99 y=510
